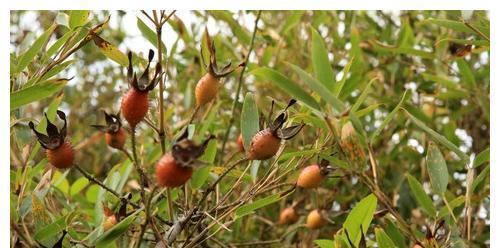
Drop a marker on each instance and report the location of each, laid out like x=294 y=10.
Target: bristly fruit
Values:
x=315 y=219
x=312 y=176
x=288 y=216
x=59 y=152
x=208 y=86
x=115 y=135
x=266 y=142
x=175 y=168
x=135 y=103
x=350 y=144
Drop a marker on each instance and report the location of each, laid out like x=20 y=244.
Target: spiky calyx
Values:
x=350 y=144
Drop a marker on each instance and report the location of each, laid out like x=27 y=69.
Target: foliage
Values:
x=420 y=109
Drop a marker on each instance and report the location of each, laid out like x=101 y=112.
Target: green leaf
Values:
x=249 y=124
x=57 y=45
x=51 y=229
x=321 y=64
x=287 y=85
x=480 y=178
x=340 y=85
x=34 y=49
x=57 y=69
x=199 y=177
x=78 y=18
x=59 y=181
x=362 y=97
x=36 y=92
x=467 y=74
x=395 y=234
x=324 y=243
x=360 y=216
x=292 y=20
x=450 y=24
x=111 y=51
x=389 y=117
x=150 y=35
x=422 y=198
x=78 y=185
x=383 y=240
x=453 y=204
x=116 y=231
x=227 y=17
x=482 y=158
x=251 y=207
x=438 y=137
x=319 y=88
x=92 y=193
x=438 y=171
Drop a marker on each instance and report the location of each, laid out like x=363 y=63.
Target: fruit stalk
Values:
x=240 y=83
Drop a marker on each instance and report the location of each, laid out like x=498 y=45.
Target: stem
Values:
x=240 y=83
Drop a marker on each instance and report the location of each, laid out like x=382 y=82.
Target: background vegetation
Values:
x=391 y=74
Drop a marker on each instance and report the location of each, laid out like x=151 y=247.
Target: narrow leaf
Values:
x=36 y=92
x=360 y=216
x=321 y=64
x=438 y=171
x=249 y=124
x=422 y=198
x=34 y=49
x=78 y=18
x=389 y=117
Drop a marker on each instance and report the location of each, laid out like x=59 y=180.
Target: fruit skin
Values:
x=315 y=220
x=109 y=222
x=350 y=144
x=239 y=142
x=62 y=157
x=170 y=174
x=206 y=89
x=288 y=216
x=134 y=106
x=264 y=145
x=310 y=177
x=117 y=139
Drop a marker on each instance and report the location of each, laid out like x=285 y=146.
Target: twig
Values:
x=477 y=31
x=240 y=83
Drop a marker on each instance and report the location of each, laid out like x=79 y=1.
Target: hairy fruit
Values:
x=350 y=144
x=61 y=157
x=311 y=176
x=315 y=220
x=288 y=216
x=170 y=174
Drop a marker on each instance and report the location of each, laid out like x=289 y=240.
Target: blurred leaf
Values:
x=59 y=181
x=383 y=240
x=450 y=24
x=467 y=74
x=78 y=185
x=340 y=85
x=51 y=230
x=443 y=212
x=323 y=71
x=362 y=96
x=324 y=243
x=293 y=19
x=319 y=88
x=360 y=216
x=482 y=158
x=287 y=85
x=116 y=231
x=78 y=18
x=199 y=177
x=251 y=207
x=389 y=117
x=34 y=49
x=36 y=92
x=394 y=233
x=150 y=35
x=91 y=193
x=227 y=17
x=438 y=171
x=249 y=124
x=480 y=178
x=111 y=51
x=422 y=198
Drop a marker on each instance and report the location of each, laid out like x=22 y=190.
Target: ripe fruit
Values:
x=208 y=86
x=175 y=168
x=288 y=216
x=315 y=220
x=459 y=50
x=59 y=152
x=239 y=143
x=170 y=174
x=135 y=102
x=115 y=135
x=350 y=144
x=311 y=176
x=266 y=142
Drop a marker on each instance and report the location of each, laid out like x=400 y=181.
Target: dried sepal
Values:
x=143 y=84
x=113 y=123
x=54 y=137
x=186 y=152
x=212 y=67
x=290 y=132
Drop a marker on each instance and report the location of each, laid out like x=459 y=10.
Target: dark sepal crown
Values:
x=212 y=67
x=186 y=152
x=113 y=123
x=276 y=125
x=143 y=84
x=54 y=137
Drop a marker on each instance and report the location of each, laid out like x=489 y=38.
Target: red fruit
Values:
x=315 y=220
x=62 y=157
x=135 y=105
x=206 y=89
x=264 y=145
x=288 y=216
x=116 y=140
x=311 y=177
x=170 y=174
x=239 y=142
